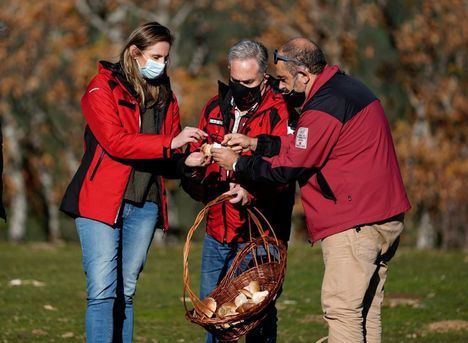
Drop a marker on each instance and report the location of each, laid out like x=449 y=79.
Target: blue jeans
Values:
x=113 y=258
x=216 y=260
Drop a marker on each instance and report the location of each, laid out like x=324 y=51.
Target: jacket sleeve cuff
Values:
x=166 y=146
x=268 y=146
x=241 y=166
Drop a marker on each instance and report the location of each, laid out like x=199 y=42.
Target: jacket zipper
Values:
x=123 y=194
x=97 y=166
x=225 y=222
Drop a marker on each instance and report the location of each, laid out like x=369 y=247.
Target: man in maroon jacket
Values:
x=343 y=157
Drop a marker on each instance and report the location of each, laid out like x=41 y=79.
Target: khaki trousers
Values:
x=353 y=284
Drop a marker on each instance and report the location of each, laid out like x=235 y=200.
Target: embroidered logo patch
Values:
x=301 y=137
x=216 y=121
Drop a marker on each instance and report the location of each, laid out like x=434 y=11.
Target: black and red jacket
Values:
x=343 y=155
x=112 y=143
x=226 y=222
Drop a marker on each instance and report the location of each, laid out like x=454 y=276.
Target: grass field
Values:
x=426 y=296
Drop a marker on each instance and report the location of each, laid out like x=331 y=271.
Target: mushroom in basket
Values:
x=208 y=307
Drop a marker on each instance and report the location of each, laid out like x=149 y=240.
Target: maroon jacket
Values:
x=112 y=143
x=342 y=153
x=227 y=222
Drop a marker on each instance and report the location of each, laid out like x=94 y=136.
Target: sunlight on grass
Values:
x=42 y=296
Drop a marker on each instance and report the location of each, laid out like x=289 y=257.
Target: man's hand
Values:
x=240 y=194
x=197 y=159
x=239 y=142
x=225 y=157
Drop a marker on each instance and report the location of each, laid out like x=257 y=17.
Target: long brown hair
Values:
x=144 y=36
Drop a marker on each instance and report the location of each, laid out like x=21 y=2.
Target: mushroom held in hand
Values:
x=206 y=148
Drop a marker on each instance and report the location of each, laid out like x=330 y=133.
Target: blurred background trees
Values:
x=412 y=54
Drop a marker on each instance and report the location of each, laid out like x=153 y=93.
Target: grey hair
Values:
x=246 y=49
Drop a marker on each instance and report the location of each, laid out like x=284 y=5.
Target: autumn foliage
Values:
x=412 y=54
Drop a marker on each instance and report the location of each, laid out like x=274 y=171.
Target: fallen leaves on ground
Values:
x=19 y=282
x=394 y=300
x=448 y=325
x=49 y=308
x=313 y=318
x=39 y=332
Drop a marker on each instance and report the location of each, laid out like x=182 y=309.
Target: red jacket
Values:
x=112 y=142
x=226 y=222
x=342 y=153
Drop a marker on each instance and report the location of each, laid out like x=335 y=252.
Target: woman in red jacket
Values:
x=117 y=195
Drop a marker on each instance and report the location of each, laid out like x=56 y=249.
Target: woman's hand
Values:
x=188 y=135
x=197 y=159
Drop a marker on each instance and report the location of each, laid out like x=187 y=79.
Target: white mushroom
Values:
x=246 y=293
x=208 y=307
x=240 y=299
x=206 y=149
x=227 y=309
x=253 y=287
x=258 y=297
x=245 y=307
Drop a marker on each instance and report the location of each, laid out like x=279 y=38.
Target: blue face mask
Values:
x=152 y=69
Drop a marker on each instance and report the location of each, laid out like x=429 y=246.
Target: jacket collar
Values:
x=269 y=99
x=322 y=78
x=115 y=69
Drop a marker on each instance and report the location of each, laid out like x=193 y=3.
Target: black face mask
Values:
x=294 y=99
x=245 y=97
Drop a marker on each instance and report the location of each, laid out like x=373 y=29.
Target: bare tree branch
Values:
x=113 y=32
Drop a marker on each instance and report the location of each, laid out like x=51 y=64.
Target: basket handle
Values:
x=252 y=214
x=187 y=289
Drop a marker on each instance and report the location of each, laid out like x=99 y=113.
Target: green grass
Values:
x=436 y=282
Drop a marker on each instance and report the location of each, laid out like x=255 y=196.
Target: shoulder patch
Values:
x=301 y=137
x=216 y=121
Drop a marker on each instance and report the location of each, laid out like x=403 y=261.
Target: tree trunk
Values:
x=53 y=224
x=427 y=236
x=14 y=171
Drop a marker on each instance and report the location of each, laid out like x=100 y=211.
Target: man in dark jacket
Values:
x=354 y=200
x=2 y=209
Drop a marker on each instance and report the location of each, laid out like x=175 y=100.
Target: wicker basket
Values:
x=262 y=259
